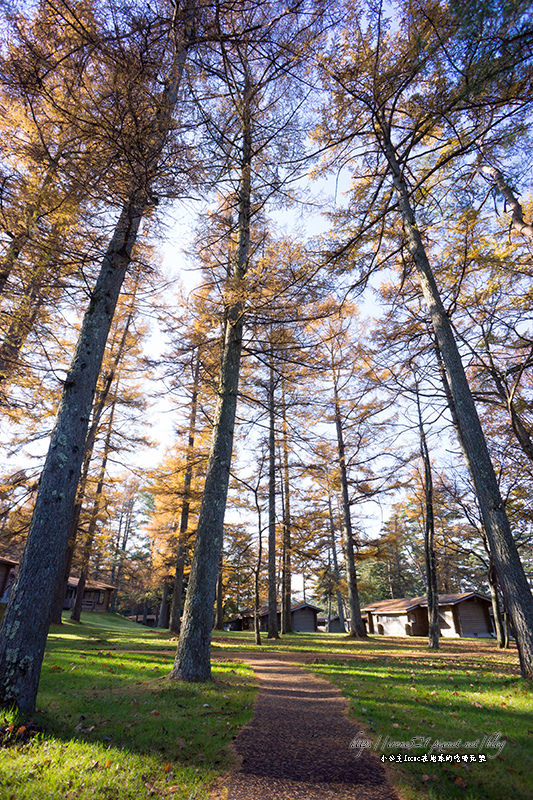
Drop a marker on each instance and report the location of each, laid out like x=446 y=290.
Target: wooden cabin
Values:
x=96 y=595
x=303 y=619
x=466 y=614
x=334 y=625
x=7 y=571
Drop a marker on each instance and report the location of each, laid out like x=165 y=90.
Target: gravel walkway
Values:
x=297 y=746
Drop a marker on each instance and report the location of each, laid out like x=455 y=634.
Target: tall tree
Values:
x=387 y=88
x=259 y=51
x=24 y=631
x=272 y=549
x=429 y=534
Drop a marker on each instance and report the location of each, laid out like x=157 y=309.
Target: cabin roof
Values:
x=8 y=561
x=403 y=604
x=96 y=585
x=263 y=611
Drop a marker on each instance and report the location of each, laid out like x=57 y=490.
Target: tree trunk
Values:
x=164 y=610
x=286 y=588
x=93 y=522
x=18 y=241
x=357 y=626
x=272 y=593
x=517 y=422
x=98 y=410
x=517 y=214
x=177 y=590
x=219 y=610
x=24 y=629
x=498 y=623
x=336 y=573
x=175 y=613
x=145 y=611
x=26 y=620
x=509 y=569
x=22 y=322
x=429 y=538
x=121 y=549
x=24 y=316
x=257 y=625
x=192 y=662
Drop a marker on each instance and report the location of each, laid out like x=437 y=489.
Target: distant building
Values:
x=303 y=619
x=8 y=570
x=334 y=624
x=466 y=614
x=96 y=595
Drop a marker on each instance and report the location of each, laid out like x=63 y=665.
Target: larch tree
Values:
x=261 y=48
x=407 y=90
x=134 y=94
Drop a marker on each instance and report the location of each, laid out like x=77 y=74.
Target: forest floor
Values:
x=110 y=724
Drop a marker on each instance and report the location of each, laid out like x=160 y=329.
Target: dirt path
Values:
x=297 y=746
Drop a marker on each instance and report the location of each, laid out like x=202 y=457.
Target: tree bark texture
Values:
x=336 y=573
x=509 y=569
x=175 y=611
x=26 y=620
x=93 y=522
x=192 y=662
x=98 y=410
x=429 y=538
x=286 y=588
x=357 y=626
x=272 y=578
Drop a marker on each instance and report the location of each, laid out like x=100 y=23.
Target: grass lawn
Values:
x=114 y=727
x=400 y=690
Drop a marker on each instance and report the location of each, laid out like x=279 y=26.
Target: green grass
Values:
x=399 y=689
x=114 y=726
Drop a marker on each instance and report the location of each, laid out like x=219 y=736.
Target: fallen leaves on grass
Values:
x=12 y=734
